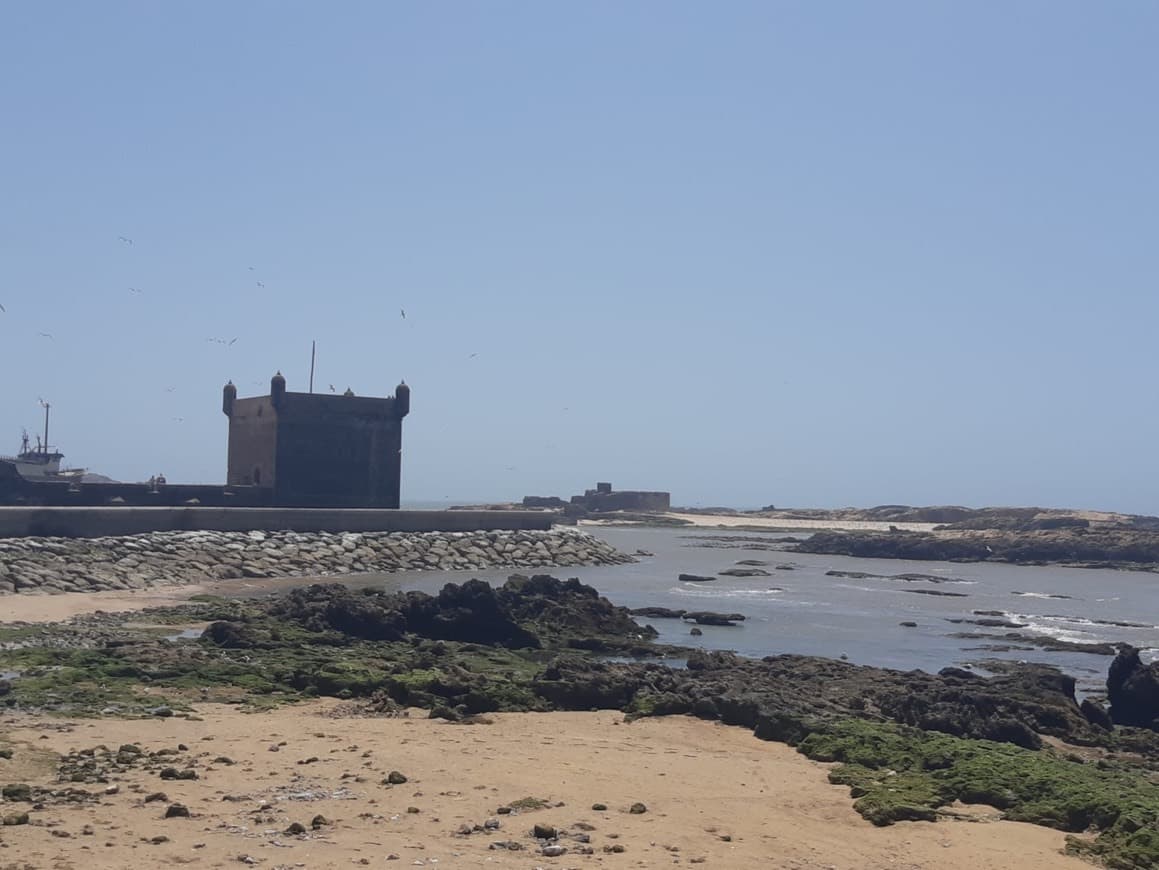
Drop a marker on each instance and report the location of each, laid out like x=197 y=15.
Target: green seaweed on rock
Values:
x=897 y=773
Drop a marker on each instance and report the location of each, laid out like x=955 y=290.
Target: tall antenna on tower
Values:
x=313 y=352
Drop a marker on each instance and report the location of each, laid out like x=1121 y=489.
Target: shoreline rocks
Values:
x=1133 y=690
x=1136 y=549
x=59 y=565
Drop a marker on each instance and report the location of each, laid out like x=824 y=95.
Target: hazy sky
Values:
x=792 y=253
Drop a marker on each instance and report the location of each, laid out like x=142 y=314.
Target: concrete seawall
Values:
x=94 y=522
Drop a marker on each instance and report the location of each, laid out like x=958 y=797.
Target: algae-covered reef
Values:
x=471 y=646
x=897 y=773
x=907 y=744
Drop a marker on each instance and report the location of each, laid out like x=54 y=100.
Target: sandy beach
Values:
x=735 y=521
x=728 y=521
x=714 y=795
x=58 y=608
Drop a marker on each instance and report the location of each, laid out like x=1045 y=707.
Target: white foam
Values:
x=693 y=592
x=1053 y=631
x=1078 y=620
x=860 y=588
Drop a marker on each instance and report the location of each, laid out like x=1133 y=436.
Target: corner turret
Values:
x=228 y=396
x=402 y=399
x=277 y=389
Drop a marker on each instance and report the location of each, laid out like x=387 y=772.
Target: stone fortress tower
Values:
x=317 y=449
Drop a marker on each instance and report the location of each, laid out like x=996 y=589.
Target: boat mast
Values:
x=313 y=352
x=46 y=407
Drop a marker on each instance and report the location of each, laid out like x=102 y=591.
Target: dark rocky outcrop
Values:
x=658 y=612
x=1055 y=542
x=786 y=697
x=708 y=617
x=987 y=622
x=1041 y=641
x=1096 y=714
x=1133 y=690
x=694 y=578
x=513 y=615
x=908 y=578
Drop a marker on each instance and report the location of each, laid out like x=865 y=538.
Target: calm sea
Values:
x=805 y=611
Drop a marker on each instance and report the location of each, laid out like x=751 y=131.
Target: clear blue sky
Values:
x=751 y=252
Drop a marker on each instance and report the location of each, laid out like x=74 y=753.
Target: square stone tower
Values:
x=317 y=449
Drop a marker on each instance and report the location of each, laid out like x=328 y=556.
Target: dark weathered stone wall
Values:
x=543 y=501
x=318 y=450
x=628 y=500
x=252 y=443
x=343 y=450
x=17 y=491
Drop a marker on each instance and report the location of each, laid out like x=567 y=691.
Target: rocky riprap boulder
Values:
x=55 y=565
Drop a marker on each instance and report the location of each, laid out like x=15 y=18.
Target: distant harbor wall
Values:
x=93 y=522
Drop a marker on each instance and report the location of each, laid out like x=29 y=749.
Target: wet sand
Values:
x=58 y=608
x=714 y=795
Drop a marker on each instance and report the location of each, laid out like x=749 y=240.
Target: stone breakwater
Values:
x=58 y=565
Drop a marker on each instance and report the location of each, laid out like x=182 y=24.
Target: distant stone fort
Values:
x=604 y=498
x=288 y=450
x=317 y=449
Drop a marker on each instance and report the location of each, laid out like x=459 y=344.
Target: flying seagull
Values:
x=251 y=268
x=46 y=335
x=402 y=311
x=472 y=356
x=134 y=289
x=231 y=341
x=260 y=284
x=2 y=308
x=127 y=241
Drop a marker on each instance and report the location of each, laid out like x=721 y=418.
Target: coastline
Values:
x=714 y=795
x=470 y=651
